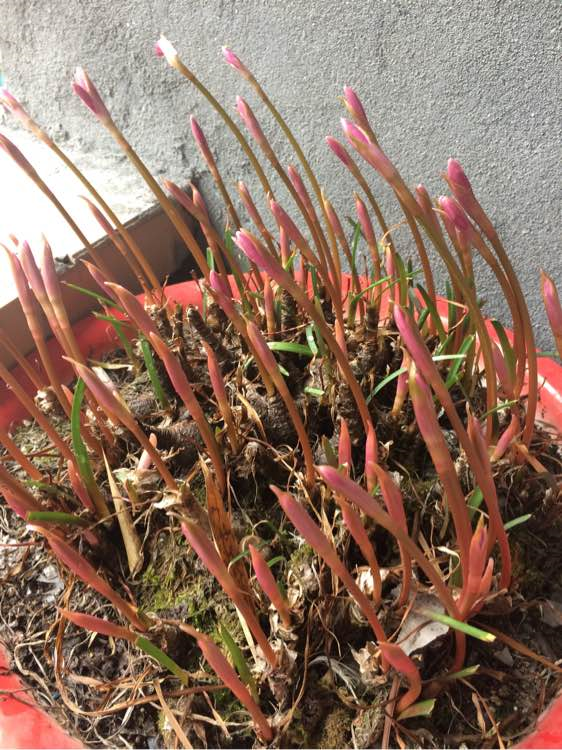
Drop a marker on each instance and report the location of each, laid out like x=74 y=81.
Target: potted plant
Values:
x=283 y=504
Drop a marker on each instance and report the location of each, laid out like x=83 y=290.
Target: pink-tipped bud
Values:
x=262 y=349
x=83 y=87
x=506 y=438
x=284 y=220
x=353 y=132
x=371 y=457
x=300 y=189
x=267 y=582
x=234 y=61
x=458 y=178
x=344 y=446
x=339 y=151
x=455 y=214
x=100 y=280
x=198 y=200
x=223 y=293
x=402 y=663
x=200 y=139
x=477 y=558
x=250 y=121
x=97 y=625
x=365 y=222
x=31 y=269
x=424 y=202
x=145 y=460
x=354 y=107
x=553 y=308
x=16 y=155
x=134 y=309
x=254 y=251
x=372 y=154
x=12 y=105
x=164 y=48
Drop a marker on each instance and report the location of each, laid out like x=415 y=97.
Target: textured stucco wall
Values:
x=478 y=80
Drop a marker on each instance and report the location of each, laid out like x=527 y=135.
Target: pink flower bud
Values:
x=16 y=155
x=371 y=457
x=424 y=202
x=97 y=625
x=269 y=585
x=12 y=105
x=365 y=221
x=353 y=132
x=164 y=48
x=234 y=61
x=250 y=121
x=100 y=280
x=553 y=308
x=254 y=251
x=344 y=446
x=371 y=153
x=200 y=139
x=300 y=189
x=83 y=86
x=354 y=107
x=458 y=178
x=285 y=221
x=339 y=151
x=134 y=309
x=454 y=213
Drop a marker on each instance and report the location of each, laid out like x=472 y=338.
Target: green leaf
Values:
x=475 y=501
x=238 y=660
x=507 y=349
x=290 y=346
x=210 y=259
x=163 y=659
x=311 y=340
x=118 y=328
x=54 y=516
x=101 y=298
x=433 y=312
x=452 y=377
x=423 y=708
x=499 y=407
x=517 y=521
x=464 y=627
x=354 y=246
x=318 y=392
x=79 y=448
x=385 y=381
x=467 y=672
x=153 y=373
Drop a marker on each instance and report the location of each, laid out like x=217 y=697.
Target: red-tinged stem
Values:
x=79 y=488
x=269 y=305
x=19 y=457
x=270 y=364
x=81 y=568
x=255 y=216
x=227 y=674
x=402 y=663
x=185 y=392
x=203 y=146
x=167 y=205
x=508 y=436
x=321 y=545
x=116 y=410
x=395 y=506
x=28 y=403
x=284 y=279
x=21 y=500
x=428 y=425
x=219 y=390
x=212 y=561
x=34 y=377
x=98 y=625
x=29 y=307
x=269 y=585
x=352 y=520
x=300 y=154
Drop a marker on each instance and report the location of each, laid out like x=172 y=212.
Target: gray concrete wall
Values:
x=476 y=80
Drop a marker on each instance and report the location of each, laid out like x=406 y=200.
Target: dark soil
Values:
x=103 y=691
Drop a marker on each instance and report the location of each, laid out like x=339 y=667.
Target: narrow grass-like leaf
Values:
x=163 y=659
x=291 y=346
x=386 y=381
x=507 y=349
x=462 y=674
x=117 y=326
x=475 y=501
x=422 y=708
x=81 y=452
x=311 y=340
x=500 y=407
x=517 y=521
x=55 y=516
x=453 y=374
x=436 y=318
x=153 y=373
x=318 y=392
x=238 y=660
x=102 y=299
x=463 y=627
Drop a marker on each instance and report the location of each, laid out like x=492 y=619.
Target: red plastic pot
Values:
x=22 y=723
